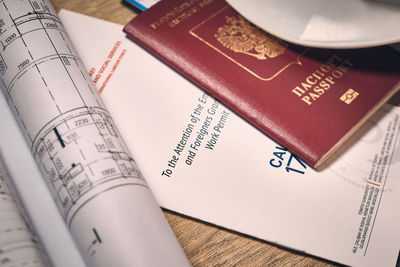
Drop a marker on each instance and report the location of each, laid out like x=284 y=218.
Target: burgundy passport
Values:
x=308 y=100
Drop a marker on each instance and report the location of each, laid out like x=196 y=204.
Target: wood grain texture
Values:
x=204 y=244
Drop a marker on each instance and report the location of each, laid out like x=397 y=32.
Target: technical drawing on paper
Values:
x=18 y=245
x=72 y=137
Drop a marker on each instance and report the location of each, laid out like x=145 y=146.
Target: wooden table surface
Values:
x=204 y=244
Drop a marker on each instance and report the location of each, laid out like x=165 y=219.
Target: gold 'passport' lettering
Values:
x=322 y=79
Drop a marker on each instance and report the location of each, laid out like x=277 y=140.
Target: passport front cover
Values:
x=308 y=100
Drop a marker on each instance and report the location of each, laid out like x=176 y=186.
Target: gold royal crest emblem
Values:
x=239 y=36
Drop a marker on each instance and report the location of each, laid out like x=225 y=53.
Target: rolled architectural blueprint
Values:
x=33 y=194
x=104 y=200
